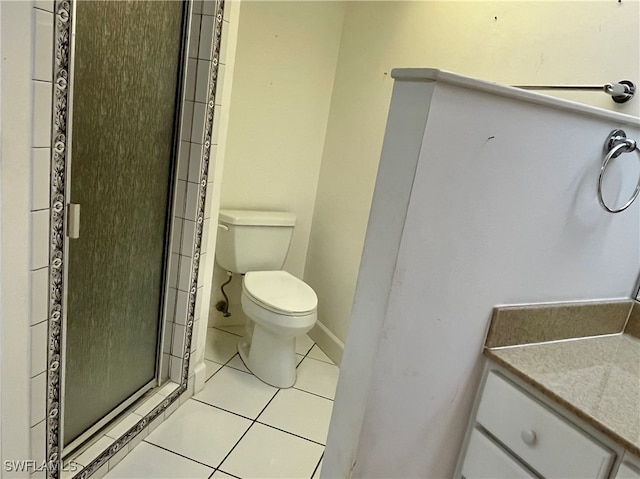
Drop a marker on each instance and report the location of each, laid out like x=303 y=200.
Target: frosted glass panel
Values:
x=124 y=99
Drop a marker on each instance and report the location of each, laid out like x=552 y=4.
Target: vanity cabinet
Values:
x=514 y=434
x=629 y=469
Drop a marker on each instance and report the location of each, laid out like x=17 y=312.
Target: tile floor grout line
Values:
x=315 y=394
x=234 y=446
x=222 y=409
x=317 y=465
x=228 y=332
x=248 y=429
x=178 y=454
x=266 y=405
x=291 y=433
x=222 y=366
x=223 y=472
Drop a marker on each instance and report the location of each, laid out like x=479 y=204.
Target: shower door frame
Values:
x=64 y=11
x=66 y=449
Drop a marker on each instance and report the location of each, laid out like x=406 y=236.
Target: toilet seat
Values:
x=280 y=292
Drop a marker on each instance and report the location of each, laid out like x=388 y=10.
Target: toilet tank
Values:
x=250 y=240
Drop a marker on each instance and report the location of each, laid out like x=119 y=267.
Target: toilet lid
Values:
x=280 y=291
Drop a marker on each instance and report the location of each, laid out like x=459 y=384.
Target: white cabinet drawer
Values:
x=486 y=460
x=542 y=439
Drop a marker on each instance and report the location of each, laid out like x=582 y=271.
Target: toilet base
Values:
x=271 y=358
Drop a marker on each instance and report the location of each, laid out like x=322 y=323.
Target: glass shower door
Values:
x=125 y=89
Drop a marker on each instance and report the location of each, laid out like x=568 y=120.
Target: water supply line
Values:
x=223 y=306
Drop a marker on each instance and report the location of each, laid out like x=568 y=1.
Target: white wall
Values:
x=503 y=211
x=285 y=66
x=518 y=42
x=16 y=124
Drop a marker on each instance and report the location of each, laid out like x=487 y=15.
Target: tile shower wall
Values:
x=201 y=59
x=203 y=23
x=41 y=82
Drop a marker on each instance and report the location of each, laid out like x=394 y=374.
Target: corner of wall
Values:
x=223 y=100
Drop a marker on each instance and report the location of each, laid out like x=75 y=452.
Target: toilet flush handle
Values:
x=224 y=227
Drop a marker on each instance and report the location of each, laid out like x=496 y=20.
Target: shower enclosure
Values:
x=125 y=104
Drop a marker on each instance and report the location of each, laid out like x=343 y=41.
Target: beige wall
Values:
x=285 y=66
x=517 y=42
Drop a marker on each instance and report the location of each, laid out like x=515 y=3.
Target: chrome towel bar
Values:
x=620 y=92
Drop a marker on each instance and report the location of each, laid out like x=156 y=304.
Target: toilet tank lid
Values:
x=257 y=218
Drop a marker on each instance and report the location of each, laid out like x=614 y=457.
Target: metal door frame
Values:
x=66 y=449
x=63 y=21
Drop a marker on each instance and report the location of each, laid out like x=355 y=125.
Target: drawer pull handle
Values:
x=528 y=436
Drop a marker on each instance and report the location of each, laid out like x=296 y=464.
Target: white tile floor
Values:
x=239 y=426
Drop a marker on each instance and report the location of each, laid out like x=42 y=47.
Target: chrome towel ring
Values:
x=616 y=144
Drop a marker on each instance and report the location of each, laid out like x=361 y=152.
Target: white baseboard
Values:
x=328 y=342
x=199 y=376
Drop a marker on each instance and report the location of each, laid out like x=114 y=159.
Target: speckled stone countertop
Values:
x=596 y=378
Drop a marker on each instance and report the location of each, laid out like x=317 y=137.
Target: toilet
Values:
x=278 y=305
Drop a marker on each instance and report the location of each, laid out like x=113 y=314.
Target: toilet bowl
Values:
x=279 y=307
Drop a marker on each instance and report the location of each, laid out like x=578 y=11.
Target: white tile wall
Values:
x=42 y=74
x=206 y=37
x=183 y=160
x=175 y=369
x=194 y=39
x=202 y=81
x=43 y=45
x=209 y=7
x=38 y=348
x=184 y=278
x=178 y=340
x=168 y=337
x=190 y=80
x=195 y=160
x=187 y=118
x=38 y=441
x=39 y=295
x=176 y=240
x=38 y=392
x=40 y=171
x=181 y=307
x=181 y=192
x=46 y=5
x=199 y=118
x=188 y=230
x=39 y=239
x=191 y=204
x=41 y=114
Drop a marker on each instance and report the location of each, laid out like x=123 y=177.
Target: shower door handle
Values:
x=73 y=220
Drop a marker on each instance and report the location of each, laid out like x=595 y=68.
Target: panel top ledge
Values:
x=442 y=76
